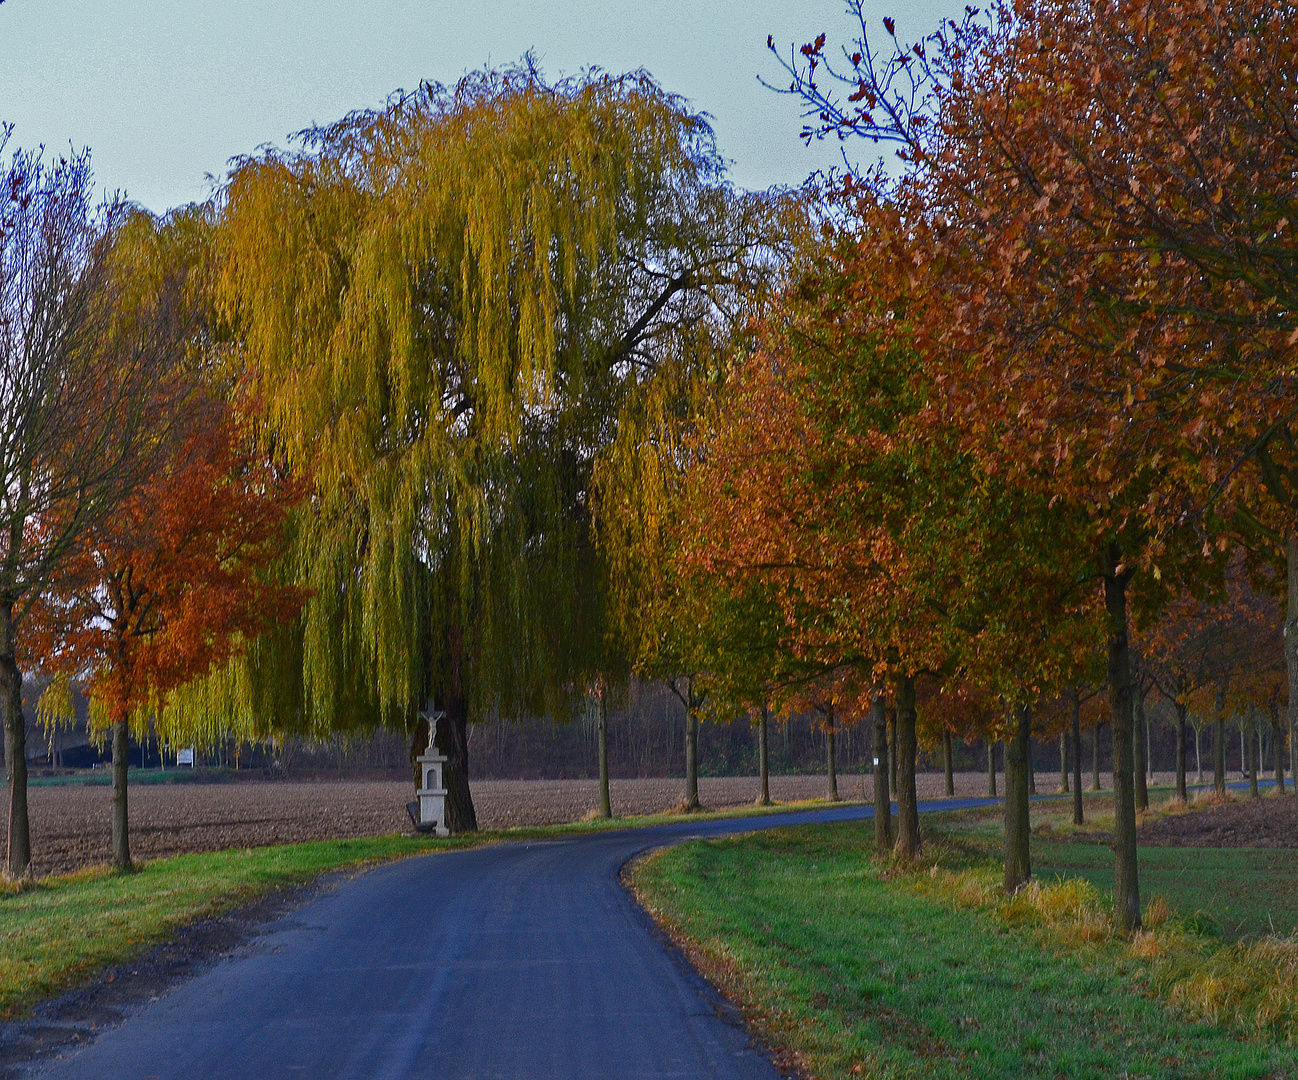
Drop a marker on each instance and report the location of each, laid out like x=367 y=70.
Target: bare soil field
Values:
x=70 y=824
x=1268 y=822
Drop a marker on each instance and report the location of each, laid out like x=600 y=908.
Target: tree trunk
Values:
x=452 y=741
x=947 y=769
x=121 y=817
x=892 y=752
x=1254 y=756
x=829 y=753
x=1078 y=815
x=1138 y=755
x=692 y=758
x=1063 y=764
x=418 y=745
x=1277 y=757
x=1126 y=880
x=763 y=758
x=1095 y=757
x=605 y=802
x=11 y=689
x=882 y=794
x=1181 y=792
x=1018 y=862
x=1291 y=642
x=991 y=768
x=1219 y=757
x=1198 y=756
x=908 y=839
x=1032 y=771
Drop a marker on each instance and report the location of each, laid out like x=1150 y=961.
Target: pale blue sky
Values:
x=166 y=91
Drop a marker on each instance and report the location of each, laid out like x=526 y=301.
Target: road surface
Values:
x=519 y=960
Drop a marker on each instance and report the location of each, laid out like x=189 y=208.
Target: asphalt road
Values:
x=525 y=960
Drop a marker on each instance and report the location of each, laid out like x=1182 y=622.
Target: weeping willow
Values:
x=447 y=311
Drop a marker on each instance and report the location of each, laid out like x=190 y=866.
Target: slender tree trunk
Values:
x=1018 y=862
x=121 y=817
x=1078 y=815
x=1291 y=643
x=692 y=757
x=1095 y=757
x=763 y=757
x=1254 y=760
x=1126 y=880
x=1277 y=757
x=1063 y=764
x=991 y=768
x=11 y=688
x=1219 y=757
x=1181 y=792
x=947 y=768
x=894 y=786
x=605 y=801
x=829 y=753
x=1138 y=755
x=882 y=794
x=908 y=839
x=1198 y=756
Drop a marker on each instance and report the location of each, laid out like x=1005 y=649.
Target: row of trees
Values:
x=1029 y=399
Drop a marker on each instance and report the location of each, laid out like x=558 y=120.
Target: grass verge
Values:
x=857 y=969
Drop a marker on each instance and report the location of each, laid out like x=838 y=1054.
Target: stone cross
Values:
x=432 y=794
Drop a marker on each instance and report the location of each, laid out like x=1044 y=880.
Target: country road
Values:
x=518 y=960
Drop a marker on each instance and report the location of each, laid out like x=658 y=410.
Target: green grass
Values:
x=862 y=975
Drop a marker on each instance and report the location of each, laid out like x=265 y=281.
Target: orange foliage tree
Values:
x=174 y=584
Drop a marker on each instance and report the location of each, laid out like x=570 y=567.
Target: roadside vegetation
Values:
x=851 y=965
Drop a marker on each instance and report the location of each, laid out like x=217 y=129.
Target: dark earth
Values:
x=1268 y=822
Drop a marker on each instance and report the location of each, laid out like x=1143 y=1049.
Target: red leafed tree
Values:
x=175 y=583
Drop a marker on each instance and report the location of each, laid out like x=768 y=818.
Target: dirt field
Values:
x=70 y=824
x=1268 y=822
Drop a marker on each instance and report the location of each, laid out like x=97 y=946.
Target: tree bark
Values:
x=763 y=757
x=1277 y=757
x=1254 y=755
x=882 y=794
x=692 y=757
x=894 y=786
x=451 y=738
x=418 y=744
x=1032 y=771
x=1095 y=758
x=1138 y=755
x=1078 y=815
x=1181 y=792
x=1126 y=880
x=1063 y=764
x=1018 y=862
x=121 y=816
x=829 y=753
x=991 y=768
x=1291 y=640
x=908 y=839
x=11 y=689
x=947 y=768
x=605 y=802
x=1219 y=757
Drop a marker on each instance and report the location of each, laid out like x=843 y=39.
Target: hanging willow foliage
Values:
x=449 y=310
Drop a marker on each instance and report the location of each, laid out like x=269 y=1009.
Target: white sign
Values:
x=185 y=757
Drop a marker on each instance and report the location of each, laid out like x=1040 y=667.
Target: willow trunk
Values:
x=1018 y=863
x=1126 y=880
x=908 y=839
x=882 y=794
